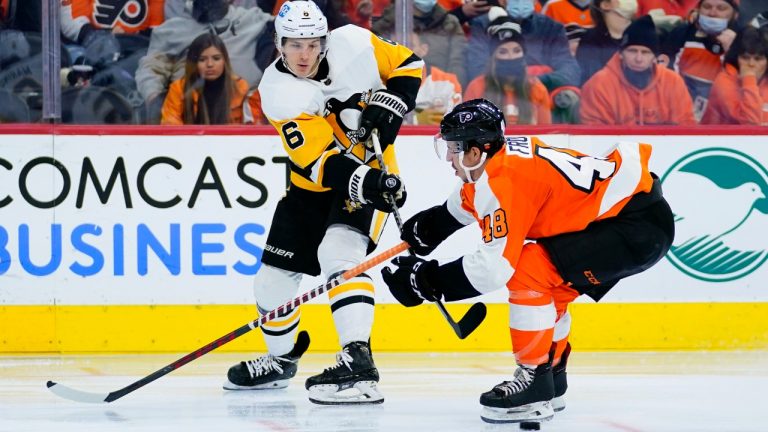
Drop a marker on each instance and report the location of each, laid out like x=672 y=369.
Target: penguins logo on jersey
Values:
x=131 y=13
x=344 y=118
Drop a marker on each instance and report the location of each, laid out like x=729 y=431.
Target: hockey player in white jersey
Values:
x=325 y=95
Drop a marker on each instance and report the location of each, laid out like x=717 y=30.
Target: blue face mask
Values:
x=711 y=25
x=514 y=68
x=520 y=9
x=425 y=6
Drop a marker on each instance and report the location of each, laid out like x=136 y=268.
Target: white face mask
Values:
x=711 y=25
x=627 y=8
x=425 y=6
x=520 y=9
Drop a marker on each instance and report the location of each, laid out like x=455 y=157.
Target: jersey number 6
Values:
x=494 y=226
x=292 y=135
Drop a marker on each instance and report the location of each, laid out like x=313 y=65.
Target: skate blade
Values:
x=274 y=385
x=558 y=403
x=537 y=411
x=361 y=393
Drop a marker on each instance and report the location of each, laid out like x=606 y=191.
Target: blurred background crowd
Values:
x=598 y=62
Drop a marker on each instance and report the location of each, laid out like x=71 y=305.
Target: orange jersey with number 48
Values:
x=530 y=190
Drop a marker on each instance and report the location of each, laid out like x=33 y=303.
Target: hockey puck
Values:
x=530 y=426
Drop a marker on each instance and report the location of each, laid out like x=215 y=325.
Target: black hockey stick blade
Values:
x=468 y=323
x=472 y=319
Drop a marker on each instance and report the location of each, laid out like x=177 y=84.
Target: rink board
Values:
x=147 y=239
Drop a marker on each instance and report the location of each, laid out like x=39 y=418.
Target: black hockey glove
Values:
x=372 y=186
x=384 y=112
x=410 y=282
x=425 y=230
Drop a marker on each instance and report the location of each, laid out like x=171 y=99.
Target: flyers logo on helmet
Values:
x=130 y=13
x=465 y=117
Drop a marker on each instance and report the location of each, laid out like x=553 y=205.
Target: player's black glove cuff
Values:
x=425 y=230
x=411 y=282
x=372 y=186
x=384 y=112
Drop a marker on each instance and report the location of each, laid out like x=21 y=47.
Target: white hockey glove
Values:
x=384 y=112
x=372 y=186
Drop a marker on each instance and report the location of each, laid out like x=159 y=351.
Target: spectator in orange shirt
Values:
x=632 y=89
x=568 y=12
x=209 y=93
x=506 y=83
x=740 y=92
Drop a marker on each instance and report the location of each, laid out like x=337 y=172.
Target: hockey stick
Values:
x=476 y=313
x=88 y=397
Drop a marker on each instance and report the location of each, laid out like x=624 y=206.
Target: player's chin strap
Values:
x=468 y=170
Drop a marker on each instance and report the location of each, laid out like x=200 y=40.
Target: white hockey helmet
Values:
x=300 y=19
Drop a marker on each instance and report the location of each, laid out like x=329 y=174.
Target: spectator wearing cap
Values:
x=569 y=12
x=740 y=92
x=696 y=49
x=506 y=83
x=546 y=46
x=600 y=43
x=240 y=29
x=632 y=89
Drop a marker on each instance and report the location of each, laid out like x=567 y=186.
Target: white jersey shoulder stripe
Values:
x=626 y=179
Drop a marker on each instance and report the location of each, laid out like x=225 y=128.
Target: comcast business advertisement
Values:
x=184 y=219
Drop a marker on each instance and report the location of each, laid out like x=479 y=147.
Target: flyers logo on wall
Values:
x=719 y=200
x=130 y=13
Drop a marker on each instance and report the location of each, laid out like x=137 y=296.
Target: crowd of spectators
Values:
x=605 y=62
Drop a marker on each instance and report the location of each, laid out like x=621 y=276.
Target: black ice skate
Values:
x=352 y=380
x=268 y=371
x=526 y=398
x=560 y=381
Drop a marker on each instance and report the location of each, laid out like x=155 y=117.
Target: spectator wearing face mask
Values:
x=546 y=46
x=569 y=12
x=440 y=30
x=239 y=28
x=632 y=89
x=601 y=42
x=506 y=83
x=695 y=49
x=740 y=92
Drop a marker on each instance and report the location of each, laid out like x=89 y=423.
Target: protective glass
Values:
x=444 y=149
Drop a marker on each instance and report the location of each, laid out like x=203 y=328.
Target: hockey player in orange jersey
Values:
x=555 y=224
